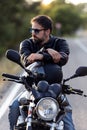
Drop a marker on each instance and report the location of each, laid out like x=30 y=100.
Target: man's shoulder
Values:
x=58 y=39
x=27 y=41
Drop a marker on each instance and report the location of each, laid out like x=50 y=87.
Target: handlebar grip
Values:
x=11 y=76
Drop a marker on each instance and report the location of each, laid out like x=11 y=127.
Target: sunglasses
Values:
x=36 y=31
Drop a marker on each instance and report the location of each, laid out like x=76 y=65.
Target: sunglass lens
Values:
x=31 y=30
x=36 y=31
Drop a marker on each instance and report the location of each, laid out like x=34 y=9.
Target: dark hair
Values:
x=44 y=20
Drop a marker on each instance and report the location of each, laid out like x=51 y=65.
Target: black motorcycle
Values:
x=47 y=103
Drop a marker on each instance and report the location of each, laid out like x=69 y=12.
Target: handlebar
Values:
x=66 y=88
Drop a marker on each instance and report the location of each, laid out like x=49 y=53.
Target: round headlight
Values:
x=47 y=108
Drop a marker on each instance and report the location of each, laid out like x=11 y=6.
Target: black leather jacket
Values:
x=28 y=46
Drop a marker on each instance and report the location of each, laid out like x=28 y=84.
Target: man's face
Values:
x=39 y=34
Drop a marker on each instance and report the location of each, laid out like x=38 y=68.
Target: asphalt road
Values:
x=78 y=57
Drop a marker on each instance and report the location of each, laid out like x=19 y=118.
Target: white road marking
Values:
x=81 y=45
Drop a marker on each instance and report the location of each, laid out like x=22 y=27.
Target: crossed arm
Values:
x=56 y=56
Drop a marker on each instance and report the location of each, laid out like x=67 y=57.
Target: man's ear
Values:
x=48 y=31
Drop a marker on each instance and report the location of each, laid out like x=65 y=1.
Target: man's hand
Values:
x=55 y=55
x=34 y=56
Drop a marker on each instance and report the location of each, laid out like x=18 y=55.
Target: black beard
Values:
x=38 y=41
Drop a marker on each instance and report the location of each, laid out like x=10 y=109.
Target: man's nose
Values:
x=33 y=35
x=33 y=32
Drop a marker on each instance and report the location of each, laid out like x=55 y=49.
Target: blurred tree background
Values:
x=15 y=18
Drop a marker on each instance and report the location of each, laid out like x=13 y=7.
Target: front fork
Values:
x=56 y=126
x=29 y=118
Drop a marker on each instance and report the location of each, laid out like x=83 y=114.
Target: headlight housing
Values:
x=47 y=108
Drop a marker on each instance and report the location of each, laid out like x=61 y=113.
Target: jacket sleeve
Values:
x=25 y=51
x=63 y=48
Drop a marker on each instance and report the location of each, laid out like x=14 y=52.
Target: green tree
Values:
x=70 y=19
x=15 y=19
x=65 y=14
x=10 y=23
x=82 y=8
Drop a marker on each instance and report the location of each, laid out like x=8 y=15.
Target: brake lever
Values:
x=12 y=80
x=69 y=90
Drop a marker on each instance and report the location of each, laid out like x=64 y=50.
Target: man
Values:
x=49 y=49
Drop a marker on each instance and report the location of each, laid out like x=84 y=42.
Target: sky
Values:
x=46 y=2
x=72 y=1
x=77 y=1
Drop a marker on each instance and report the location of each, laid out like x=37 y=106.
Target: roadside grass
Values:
x=7 y=66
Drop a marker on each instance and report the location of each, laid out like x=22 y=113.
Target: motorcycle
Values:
x=47 y=104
